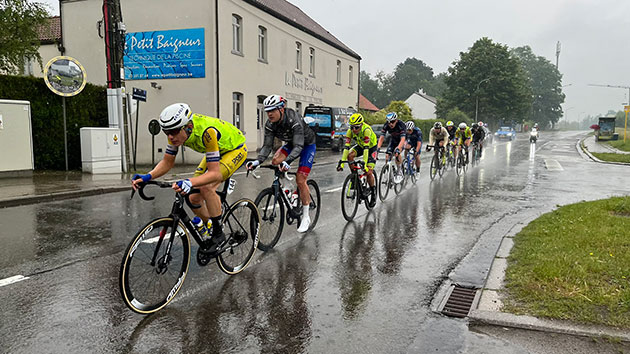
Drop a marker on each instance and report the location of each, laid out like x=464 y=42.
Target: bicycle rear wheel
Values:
x=149 y=276
x=383 y=186
x=242 y=224
x=398 y=187
x=414 y=174
x=473 y=160
x=271 y=211
x=435 y=164
x=349 y=197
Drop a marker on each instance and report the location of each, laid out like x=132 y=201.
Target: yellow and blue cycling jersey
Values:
x=463 y=135
x=219 y=140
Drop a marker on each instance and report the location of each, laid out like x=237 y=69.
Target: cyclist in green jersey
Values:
x=223 y=146
x=365 y=144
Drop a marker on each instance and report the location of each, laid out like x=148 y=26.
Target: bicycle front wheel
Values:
x=242 y=223
x=383 y=186
x=151 y=273
x=271 y=211
x=435 y=164
x=315 y=205
x=460 y=163
x=349 y=197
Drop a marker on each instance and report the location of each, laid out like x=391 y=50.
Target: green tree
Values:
x=546 y=84
x=486 y=74
x=375 y=89
x=19 y=37
x=410 y=76
x=457 y=117
x=437 y=86
x=401 y=108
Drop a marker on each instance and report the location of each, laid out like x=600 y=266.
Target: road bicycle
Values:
x=409 y=167
x=387 y=179
x=450 y=156
x=273 y=201
x=438 y=165
x=356 y=190
x=156 y=261
x=475 y=154
x=462 y=163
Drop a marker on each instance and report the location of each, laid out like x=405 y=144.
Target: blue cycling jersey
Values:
x=414 y=137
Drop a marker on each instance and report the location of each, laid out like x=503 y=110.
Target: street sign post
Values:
x=138 y=95
x=625 y=127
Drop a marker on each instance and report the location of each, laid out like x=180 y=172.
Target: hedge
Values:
x=87 y=109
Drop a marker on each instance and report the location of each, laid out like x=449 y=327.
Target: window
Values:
x=311 y=69
x=338 y=72
x=237 y=34
x=350 y=76
x=298 y=108
x=237 y=110
x=298 y=56
x=262 y=44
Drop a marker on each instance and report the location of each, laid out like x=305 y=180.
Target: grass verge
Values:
x=574 y=264
x=619 y=144
x=612 y=157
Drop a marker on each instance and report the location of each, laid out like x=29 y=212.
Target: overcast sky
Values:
x=594 y=35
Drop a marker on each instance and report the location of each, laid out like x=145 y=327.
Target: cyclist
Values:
x=438 y=135
x=463 y=136
x=365 y=144
x=285 y=124
x=414 y=140
x=397 y=130
x=224 y=147
x=478 y=135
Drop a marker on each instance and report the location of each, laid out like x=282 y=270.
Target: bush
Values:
x=401 y=108
x=87 y=109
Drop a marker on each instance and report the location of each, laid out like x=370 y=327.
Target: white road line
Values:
x=11 y=280
x=553 y=165
x=333 y=190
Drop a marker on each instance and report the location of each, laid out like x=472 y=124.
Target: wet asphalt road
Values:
x=360 y=287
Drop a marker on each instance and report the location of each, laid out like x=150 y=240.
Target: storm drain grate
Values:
x=459 y=302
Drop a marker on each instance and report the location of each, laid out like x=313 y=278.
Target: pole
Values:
x=135 y=142
x=476 y=107
x=152 y=150
x=625 y=127
x=65 y=131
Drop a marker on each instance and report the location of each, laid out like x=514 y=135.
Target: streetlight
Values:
x=477 y=97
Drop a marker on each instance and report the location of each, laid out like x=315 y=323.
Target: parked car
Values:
x=507 y=133
x=330 y=125
x=377 y=130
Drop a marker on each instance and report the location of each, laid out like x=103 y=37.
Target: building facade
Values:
x=222 y=57
x=422 y=105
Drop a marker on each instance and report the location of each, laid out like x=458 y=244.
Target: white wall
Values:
x=421 y=108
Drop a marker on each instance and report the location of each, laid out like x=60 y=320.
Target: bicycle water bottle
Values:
x=203 y=230
x=294 y=199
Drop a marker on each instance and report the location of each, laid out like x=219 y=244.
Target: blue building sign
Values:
x=174 y=54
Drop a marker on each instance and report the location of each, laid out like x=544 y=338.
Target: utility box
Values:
x=100 y=150
x=16 y=137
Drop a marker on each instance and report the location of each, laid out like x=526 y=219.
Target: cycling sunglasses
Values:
x=354 y=127
x=172 y=131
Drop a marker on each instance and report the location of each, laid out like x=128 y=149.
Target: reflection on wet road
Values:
x=363 y=286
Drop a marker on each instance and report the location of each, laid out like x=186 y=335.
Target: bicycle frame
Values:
x=276 y=185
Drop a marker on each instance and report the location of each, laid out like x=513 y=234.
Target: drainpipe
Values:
x=60 y=47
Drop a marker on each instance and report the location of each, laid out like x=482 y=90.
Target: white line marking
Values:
x=334 y=190
x=553 y=165
x=13 y=279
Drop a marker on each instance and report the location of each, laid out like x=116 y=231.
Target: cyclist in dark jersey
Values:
x=478 y=134
x=398 y=131
x=299 y=139
x=414 y=141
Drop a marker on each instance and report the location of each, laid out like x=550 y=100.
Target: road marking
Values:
x=11 y=280
x=334 y=190
x=553 y=165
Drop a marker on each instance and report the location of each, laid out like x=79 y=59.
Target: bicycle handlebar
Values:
x=271 y=167
x=163 y=184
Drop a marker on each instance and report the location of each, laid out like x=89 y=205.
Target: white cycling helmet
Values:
x=175 y=116
x=274 y=102
x=410 y=125
x=391 y=116
x=462 y=126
